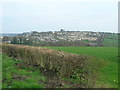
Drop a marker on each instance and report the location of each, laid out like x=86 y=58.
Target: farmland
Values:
x=63 y=69
x=109 y=74
x=61 y=64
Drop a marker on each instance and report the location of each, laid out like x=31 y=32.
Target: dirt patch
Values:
x=22 y=65
x=59 y=83
x=53 y=81
x=19 y=77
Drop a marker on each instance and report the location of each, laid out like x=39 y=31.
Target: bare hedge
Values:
x=66 y=65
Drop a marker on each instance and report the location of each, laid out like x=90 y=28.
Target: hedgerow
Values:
x=66 y=65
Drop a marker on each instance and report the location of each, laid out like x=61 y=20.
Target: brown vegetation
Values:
x=66 y=65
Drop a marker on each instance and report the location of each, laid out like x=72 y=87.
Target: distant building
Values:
x=62 y=30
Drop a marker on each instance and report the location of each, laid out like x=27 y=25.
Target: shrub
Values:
x=66 y=65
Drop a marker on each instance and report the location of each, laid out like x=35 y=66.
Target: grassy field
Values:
x=17 y=77
x=57 y=65
x=110 y=42
x=109 y=74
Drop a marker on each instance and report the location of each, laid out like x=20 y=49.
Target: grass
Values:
x=14 y=77
x=66 y=65
x=110 y=42
x=109 y=74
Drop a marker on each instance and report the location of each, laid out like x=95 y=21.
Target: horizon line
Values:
x=56 y=30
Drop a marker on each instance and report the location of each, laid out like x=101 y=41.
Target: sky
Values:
x=25 y=16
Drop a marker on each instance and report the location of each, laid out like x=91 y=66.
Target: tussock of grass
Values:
x=83 y=67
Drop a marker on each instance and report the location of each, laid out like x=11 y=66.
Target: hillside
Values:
x=64 y=38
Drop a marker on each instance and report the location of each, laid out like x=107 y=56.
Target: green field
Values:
x=110 y=42
x=17 y=77
x=109 y=74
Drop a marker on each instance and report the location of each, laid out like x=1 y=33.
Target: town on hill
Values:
x=63 y=38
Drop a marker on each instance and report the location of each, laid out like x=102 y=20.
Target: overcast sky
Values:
x=53 y=16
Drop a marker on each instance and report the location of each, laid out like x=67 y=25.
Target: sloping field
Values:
x=83 y=68
x=109 y=74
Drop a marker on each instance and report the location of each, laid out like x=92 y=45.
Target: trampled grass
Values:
x=109 y=74
x=14 y=77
